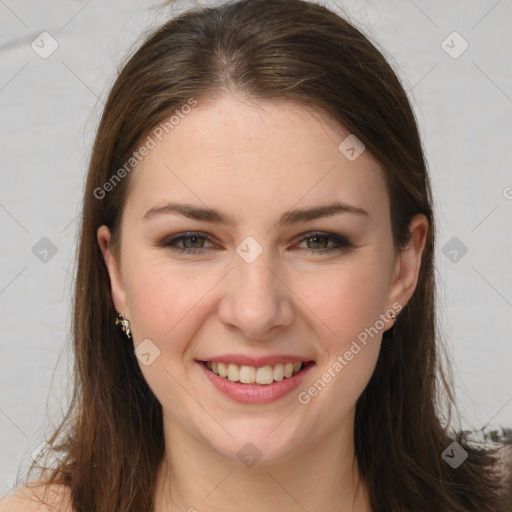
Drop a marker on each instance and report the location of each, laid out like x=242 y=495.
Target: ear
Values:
x=408 y=262
x=113 y=267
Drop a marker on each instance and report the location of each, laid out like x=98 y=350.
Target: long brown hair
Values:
x=111 y=441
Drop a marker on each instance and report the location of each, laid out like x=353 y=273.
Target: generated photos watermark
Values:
x=156 y=136
x=343 y=360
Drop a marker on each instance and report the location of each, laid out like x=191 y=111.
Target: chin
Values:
x=259 y=441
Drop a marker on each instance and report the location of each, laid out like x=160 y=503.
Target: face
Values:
x=266 y=280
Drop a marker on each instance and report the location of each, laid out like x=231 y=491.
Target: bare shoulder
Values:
x=38 y=498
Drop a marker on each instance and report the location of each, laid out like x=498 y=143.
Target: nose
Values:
x=257 y=301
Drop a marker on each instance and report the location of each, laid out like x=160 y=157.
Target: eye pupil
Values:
x=189 y=238
x=316 y=237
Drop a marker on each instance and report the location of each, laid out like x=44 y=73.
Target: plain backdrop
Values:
x=461 y=89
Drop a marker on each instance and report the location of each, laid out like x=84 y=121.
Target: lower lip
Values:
x=256 y=393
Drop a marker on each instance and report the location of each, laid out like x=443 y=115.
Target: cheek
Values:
x=347 y=298
x=337 y=386
x=160 y=297
x=347 y=304
x=350 y=306
x=164 y=307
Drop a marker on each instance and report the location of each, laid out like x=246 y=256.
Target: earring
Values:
x=125 y=325
x=393 y=317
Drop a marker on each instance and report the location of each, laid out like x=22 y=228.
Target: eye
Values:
x=321 y=240
x=194 y=243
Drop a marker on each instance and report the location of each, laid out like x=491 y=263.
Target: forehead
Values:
x=251 y=158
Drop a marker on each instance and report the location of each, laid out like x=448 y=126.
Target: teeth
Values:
x=279 y=372
x=247 y=374
x=223 y=370
x=250 y=375
x=233 y=372
x=265 y=375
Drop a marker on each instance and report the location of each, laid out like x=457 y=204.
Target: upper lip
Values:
x=257 y=362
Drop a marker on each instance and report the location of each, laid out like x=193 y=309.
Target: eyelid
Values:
x=340 y=242
x=326 y=234
x=188 y=234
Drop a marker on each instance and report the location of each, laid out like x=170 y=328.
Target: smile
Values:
x=255 y=384
x=263 y=375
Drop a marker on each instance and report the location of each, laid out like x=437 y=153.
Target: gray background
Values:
x=50 y=108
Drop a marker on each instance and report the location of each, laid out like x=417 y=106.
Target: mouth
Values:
x=263 y=375
x=261 y=384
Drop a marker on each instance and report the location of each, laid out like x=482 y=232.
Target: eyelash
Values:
x=341 y=243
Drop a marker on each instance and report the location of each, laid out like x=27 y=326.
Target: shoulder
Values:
x=38 y=498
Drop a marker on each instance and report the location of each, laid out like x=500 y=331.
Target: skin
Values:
x=255 y=161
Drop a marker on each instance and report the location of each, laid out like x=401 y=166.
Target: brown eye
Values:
x=319 y=242
x=193 y=243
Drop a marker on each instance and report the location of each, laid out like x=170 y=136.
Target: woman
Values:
x=254 y=320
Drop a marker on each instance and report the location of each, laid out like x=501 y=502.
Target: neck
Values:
x=324 y=476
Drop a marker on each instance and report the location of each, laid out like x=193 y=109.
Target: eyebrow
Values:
x=287 y=218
